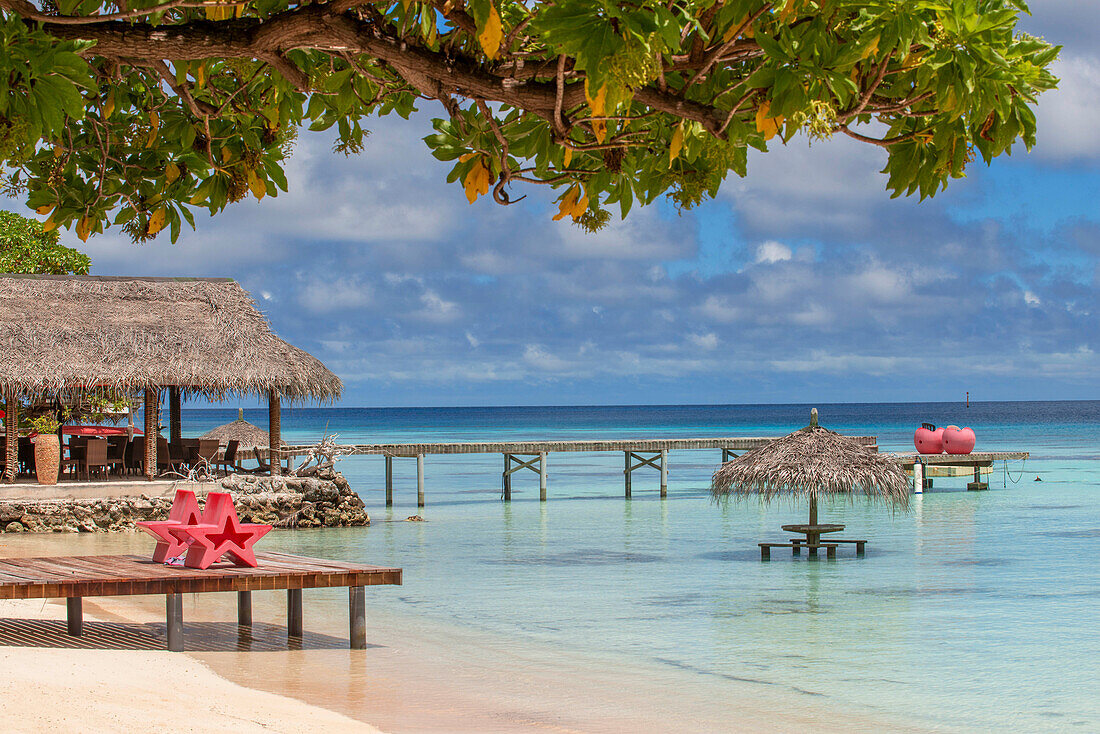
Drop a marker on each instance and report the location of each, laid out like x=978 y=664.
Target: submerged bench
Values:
x=766 y=548
x=74 y=577
x=859 y=544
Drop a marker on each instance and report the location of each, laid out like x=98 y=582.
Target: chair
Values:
x=164 y=458
x=206 y=450
x=228 y=461
x=78 y=445
x=116 y=453
x=95 y=457
x=135 y=455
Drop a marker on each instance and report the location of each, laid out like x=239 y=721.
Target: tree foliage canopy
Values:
x=137 y=112
x=26 y=248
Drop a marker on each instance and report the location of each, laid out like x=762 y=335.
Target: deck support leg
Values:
x=389 y=481
x=664 y=473
x=420 y=480
x=74 y=616
x=728 y=455
x=626 y=472
x=244 y=608
x=507 y=478
x=918 y=477
x=357 y=616
x=294 y=612
x=542 y=476
x=174 y=613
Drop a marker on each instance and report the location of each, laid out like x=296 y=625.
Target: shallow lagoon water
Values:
x=975 y=610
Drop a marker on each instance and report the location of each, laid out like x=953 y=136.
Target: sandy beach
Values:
x=137 y=691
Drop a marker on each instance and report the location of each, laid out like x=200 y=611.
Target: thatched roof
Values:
x=62 y=334
x=812 y=462
x=248 y=435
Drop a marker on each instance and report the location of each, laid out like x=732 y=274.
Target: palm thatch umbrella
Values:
x=248 y=435
x=812 y=462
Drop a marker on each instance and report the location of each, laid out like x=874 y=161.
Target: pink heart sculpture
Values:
x=958 y=440
x=928 y=439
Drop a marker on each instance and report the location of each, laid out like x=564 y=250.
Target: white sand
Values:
x=45 y=689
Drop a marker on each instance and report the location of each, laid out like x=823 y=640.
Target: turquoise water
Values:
x=971 y=612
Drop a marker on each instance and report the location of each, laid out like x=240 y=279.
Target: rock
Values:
x=304 y=502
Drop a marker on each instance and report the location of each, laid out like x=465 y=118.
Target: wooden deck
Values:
x=74 y=577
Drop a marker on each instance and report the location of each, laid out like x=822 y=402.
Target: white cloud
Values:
x=323 y=295
x=472 y=340
x=773 y=252
x=1067 y=116
x=707 y=341
x=1031 y=299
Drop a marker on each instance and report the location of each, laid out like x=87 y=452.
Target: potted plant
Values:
x=47 y=448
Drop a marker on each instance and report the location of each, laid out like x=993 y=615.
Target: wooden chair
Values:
x=75 y=460
x=116 y=453
x=95 y=457
x=26 y=455
x=134 y=455
x=206 y=451
x=164 y=459
x=228 y=461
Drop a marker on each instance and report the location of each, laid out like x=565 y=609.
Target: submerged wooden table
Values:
x=74 y=577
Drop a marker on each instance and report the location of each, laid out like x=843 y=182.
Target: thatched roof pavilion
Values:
x=248 y=435
x=67 y=335
x=812 y=462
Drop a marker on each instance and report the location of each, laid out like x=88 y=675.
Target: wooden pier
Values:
x=532 y=455
x=74 y=577
x=977 y=460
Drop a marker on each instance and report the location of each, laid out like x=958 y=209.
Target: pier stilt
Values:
x=514 y=462
x=357 y=613
x=664 y=473
x=420 y=480
x=74 y=615
x=918 y=477
x=542 y=476
x=389 y=481
x=626 y=472
x=294 y=612
x=728 y=455
x=244 y=608
x=173 y=604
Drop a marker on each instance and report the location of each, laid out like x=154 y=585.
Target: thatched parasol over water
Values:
x=249 y=435
x=812 y=462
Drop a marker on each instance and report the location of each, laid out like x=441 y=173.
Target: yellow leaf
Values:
x=256 y=185
x=732 y=30
x=580 y=207
x=171 y=172
x=788 y=12
x=597 y=103
x=200 y=75
x=676 y=144
x=45 y=209
x=156 y=222
x=599 y=127
x=406 y=3
x=83 y=228
x=109 y=104
x=568 y=202
x=49 y=225
x=871 y=49
x=568 y=158
x=767 y=125
x=477 y=182
x=226 y=154
x=465 y=157
x=154 y=128
x=492 y=34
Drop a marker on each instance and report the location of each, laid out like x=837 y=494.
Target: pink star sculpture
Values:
x=219 y=534
x=185 y=511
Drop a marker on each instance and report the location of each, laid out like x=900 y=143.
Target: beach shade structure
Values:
x=812 y=462
x=247 y=435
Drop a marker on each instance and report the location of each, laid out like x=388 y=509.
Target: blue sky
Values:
x=802 y=282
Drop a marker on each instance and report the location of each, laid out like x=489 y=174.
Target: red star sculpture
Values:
x=185 y=511
x=219 y=534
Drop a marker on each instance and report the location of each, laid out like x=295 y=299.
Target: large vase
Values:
x=47 y=456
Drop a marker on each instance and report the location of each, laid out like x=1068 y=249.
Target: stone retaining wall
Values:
x=292 y=502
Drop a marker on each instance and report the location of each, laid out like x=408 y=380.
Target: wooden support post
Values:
x=175 y=421
x=357 y=617
x=174 y=614
x=918 y=477
x=626 y=472
x=74 y=615
x=507 y=478
x=152 y=425
x=294 y=612
x=244 y=608
x=420 y=480
x=664 y=473
x=274 y=424
x=542 y=476
x=389 y=481
x=728 y=455
x=11 y=438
